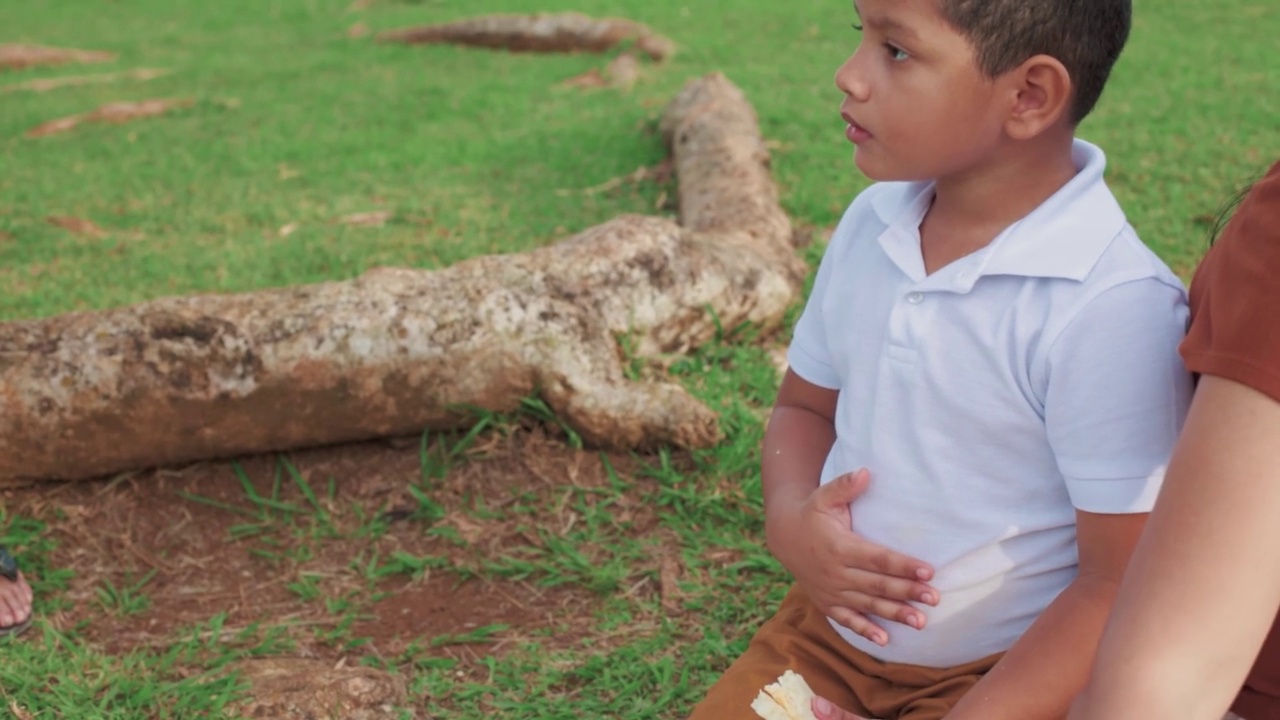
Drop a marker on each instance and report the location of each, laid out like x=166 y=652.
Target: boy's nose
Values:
x=849 y=78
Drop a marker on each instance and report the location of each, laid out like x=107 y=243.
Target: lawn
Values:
x=566 y=583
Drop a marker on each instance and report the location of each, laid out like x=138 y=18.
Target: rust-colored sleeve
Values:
x=1235 y=296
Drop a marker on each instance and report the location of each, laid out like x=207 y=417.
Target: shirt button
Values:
x=915 y=298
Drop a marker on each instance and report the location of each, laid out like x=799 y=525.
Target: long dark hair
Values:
x=1228 y=210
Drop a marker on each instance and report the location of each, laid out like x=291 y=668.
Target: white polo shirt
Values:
x=994 y=397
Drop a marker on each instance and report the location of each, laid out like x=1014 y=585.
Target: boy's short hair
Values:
x=1086 y=36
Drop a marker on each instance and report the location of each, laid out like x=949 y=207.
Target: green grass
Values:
x=296 y=123
x=478 y=152
x=70 y=680
x=126 y=599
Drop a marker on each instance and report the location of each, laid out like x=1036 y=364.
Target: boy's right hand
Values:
x=846 y=576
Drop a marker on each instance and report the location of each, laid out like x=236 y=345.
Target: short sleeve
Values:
x=1117 y=395
x=1235 y=325
x=810 y=353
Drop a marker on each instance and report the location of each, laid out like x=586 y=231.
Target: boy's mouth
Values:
x=853 y=131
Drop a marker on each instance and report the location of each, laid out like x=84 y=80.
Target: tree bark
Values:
x=397 y=350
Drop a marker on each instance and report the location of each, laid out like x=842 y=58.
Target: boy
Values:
x=985 y=377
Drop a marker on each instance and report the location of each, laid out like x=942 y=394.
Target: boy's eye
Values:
x=896 y=54
x=857 y=26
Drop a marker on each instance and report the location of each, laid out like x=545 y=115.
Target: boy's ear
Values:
x=1043 y=95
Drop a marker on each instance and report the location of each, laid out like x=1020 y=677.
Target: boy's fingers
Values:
x=864 y=555
x=891 y=610
x=859 y=623
x=886 y=587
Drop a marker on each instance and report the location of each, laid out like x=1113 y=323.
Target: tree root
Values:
x=397 y=350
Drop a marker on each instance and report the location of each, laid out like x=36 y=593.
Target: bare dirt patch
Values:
x=474 y=616
x=181 y=539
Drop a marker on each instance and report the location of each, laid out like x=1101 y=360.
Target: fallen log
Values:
x=397 y=350
x=545 y=32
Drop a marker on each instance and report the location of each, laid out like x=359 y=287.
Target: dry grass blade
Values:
x=19 y=712
x=17 y=57
x=621 y=72
x=659 y=174
x=117 y=112
x=668 y=584
x=592 y=78
x=377 y=218
x=76 y=225
x=47 y=84
x=546 y=32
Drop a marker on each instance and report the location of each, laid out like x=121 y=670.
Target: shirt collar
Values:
x=1062 y=238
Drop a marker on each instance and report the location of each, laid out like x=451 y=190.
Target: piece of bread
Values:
x=787 y=698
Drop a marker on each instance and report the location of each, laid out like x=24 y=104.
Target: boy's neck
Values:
x=969 y=210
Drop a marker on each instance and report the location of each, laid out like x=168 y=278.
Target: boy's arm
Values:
x=797 y=439
x=1039 y=676
x=808 y=528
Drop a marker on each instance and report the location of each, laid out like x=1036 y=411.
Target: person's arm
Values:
x=808 y=528
x=1044 y=670
x=797 y=439
x=1204 y=584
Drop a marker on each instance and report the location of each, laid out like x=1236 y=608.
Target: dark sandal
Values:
x=9 y=571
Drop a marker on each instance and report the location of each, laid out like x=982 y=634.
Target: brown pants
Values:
x=800 y=638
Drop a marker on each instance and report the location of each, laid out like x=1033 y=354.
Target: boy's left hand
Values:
x=846 y=577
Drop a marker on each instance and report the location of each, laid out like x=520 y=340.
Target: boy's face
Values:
x=916 y=103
